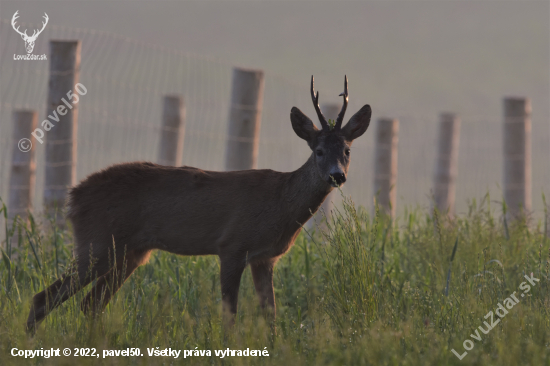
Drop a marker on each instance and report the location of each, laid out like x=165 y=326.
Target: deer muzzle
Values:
x=337 y=179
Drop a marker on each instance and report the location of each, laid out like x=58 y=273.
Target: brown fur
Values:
x=122 y=213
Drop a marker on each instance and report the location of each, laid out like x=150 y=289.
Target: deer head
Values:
x=331 y=145
x=29 y=40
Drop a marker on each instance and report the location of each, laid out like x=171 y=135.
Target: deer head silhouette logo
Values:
x=29 y=40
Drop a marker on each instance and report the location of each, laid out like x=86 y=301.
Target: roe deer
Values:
x=245 y=217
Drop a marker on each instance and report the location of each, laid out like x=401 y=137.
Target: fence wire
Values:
x=119 y=120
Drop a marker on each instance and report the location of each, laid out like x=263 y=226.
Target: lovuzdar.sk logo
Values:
x=29 y=40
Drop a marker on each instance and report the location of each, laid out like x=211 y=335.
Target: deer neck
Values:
x=306 y=191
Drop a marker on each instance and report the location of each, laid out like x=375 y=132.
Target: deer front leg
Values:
x=262 y=273
x=230 y=276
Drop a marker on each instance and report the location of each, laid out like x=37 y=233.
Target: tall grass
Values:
x=362 y=290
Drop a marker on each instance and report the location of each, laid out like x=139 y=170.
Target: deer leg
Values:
x=45 y=301
x=61 y=290
x=107 y=285
x=262 y=273
x=230 y=277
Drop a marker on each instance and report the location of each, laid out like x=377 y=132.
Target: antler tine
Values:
x=13 y=21
x=315 y=99
x=340 y=118
x=46 y=18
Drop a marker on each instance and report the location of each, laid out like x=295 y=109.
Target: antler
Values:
x=315 y=99
x=343 y=111
x=35 y=34
x=43 y=26
x=13 y=21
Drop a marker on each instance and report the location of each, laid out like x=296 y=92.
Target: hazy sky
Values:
x=408 y=59
x=404 y=57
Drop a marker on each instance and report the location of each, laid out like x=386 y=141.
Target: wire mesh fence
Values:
x=119 y=120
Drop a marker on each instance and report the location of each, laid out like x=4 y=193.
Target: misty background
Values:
x=409 y=60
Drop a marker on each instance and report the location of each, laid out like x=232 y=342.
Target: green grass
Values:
x=366 y=291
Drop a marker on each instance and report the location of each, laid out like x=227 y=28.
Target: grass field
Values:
x=366 y=291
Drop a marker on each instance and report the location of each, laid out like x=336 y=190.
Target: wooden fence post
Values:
x=446 y=165
x=61 y=138
x=385 y=165
x=517 y=156
x=330 y=111
x=173 y=131
x=244 y=119
x=23 y=166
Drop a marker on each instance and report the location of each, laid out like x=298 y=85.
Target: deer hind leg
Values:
x=107 y=285
x=69 y=284
x=230 y=276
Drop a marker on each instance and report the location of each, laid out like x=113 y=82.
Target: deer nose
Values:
x=340 y=178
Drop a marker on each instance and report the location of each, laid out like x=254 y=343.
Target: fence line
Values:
x=22 y=177
x=245 y=115
x=172 y=131
x=517 y=155
x=120 y=120
x=446 y=164
x=61 y=141
x=385 y=168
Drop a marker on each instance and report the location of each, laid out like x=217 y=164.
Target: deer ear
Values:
x=357 y=124
x=302 y=125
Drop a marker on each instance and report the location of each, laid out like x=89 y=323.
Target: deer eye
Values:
x=319 y=152
x=347 y=152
